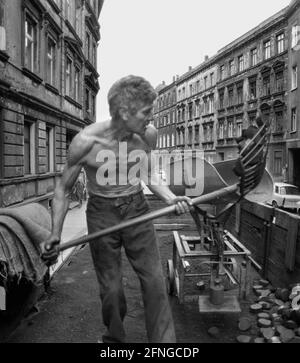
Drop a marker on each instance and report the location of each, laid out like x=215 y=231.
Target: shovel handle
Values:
x=147 y=217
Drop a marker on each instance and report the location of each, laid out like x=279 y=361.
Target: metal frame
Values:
x=182 y=254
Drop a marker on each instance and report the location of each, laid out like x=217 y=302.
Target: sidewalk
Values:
x=74 y=227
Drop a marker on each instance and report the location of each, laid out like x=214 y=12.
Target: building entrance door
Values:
x=296 y=166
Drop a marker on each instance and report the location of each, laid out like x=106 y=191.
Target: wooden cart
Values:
x=212 y=253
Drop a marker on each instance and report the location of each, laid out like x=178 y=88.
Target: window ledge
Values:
x=278 y=93
x=52 y=88
x=75 y=103
x=54 y=6
x=5 y=83
x=277 y=133
x=4 y=57
x=73 y=31
x=32 y=75
x=265 y=97
x=294 y=89
x=27 y=178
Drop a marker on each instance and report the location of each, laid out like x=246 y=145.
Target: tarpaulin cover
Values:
x=22 y=229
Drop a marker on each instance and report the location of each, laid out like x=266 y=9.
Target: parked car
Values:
x=286 y=196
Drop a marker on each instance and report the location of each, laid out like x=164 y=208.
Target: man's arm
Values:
x=79 y=148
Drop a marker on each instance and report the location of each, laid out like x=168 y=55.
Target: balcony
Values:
x=230 y=141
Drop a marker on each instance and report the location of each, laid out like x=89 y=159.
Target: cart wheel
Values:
x=170 y=277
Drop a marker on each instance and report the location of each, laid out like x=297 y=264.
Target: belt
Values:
x=118 y=201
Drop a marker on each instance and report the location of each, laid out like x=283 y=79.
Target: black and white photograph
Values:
x=149 y=174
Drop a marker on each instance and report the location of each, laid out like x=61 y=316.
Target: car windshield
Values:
x=289 y=191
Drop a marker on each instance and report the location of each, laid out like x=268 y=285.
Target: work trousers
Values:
x=141 y=248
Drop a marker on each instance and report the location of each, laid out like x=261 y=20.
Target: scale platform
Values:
x=230 y=305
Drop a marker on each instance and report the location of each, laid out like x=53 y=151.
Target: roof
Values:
x=284 y=185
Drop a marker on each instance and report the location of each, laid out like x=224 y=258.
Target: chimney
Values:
x=190 y=68
x=206 y=58
x=174 y=79
x=177 y=77
x=163 y=83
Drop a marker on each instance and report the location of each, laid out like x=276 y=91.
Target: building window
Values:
x=280 y=43
x=222 y=68
x=93 y=105
x=31 y=44
x=211 y=104
x=267 y=49
x=88 y=46
x=253 y=56
x=240 y=95
x=277 y=162
x=205 y=105
x=294 y=120
x=211 y=79
x=230 y=97
x=77 y=84
x=266 y=86
x=252 y=89
x=49 y=149
x=190 y=111
x=29 y=148
x=295 y=35
x=241 y=63
x=230 y=129
x=205 y=82
x=51 y=62
x=239 y=128
x=87 y=100
x=231 y=67
x=279 y=80
x=95 y=55
x=190 y=135
x=221 y=130
x=294 y=77
x=252 y=118
x=196 y=134
x=68 y=76
x=278 y=121
x=211 y=133
x=221 y=99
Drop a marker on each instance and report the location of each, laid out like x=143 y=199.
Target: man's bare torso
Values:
x=107 y=159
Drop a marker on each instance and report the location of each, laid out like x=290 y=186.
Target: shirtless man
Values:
x=131 y=102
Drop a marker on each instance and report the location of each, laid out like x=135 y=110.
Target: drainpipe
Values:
x=2 y=29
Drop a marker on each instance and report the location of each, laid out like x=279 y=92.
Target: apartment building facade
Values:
x=255 y=75
x=165 y=116
x=252 y=81
x=48 y=88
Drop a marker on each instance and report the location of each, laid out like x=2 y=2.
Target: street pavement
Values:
x=74 y=227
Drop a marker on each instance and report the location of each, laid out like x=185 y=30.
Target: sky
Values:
x=159 y=39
